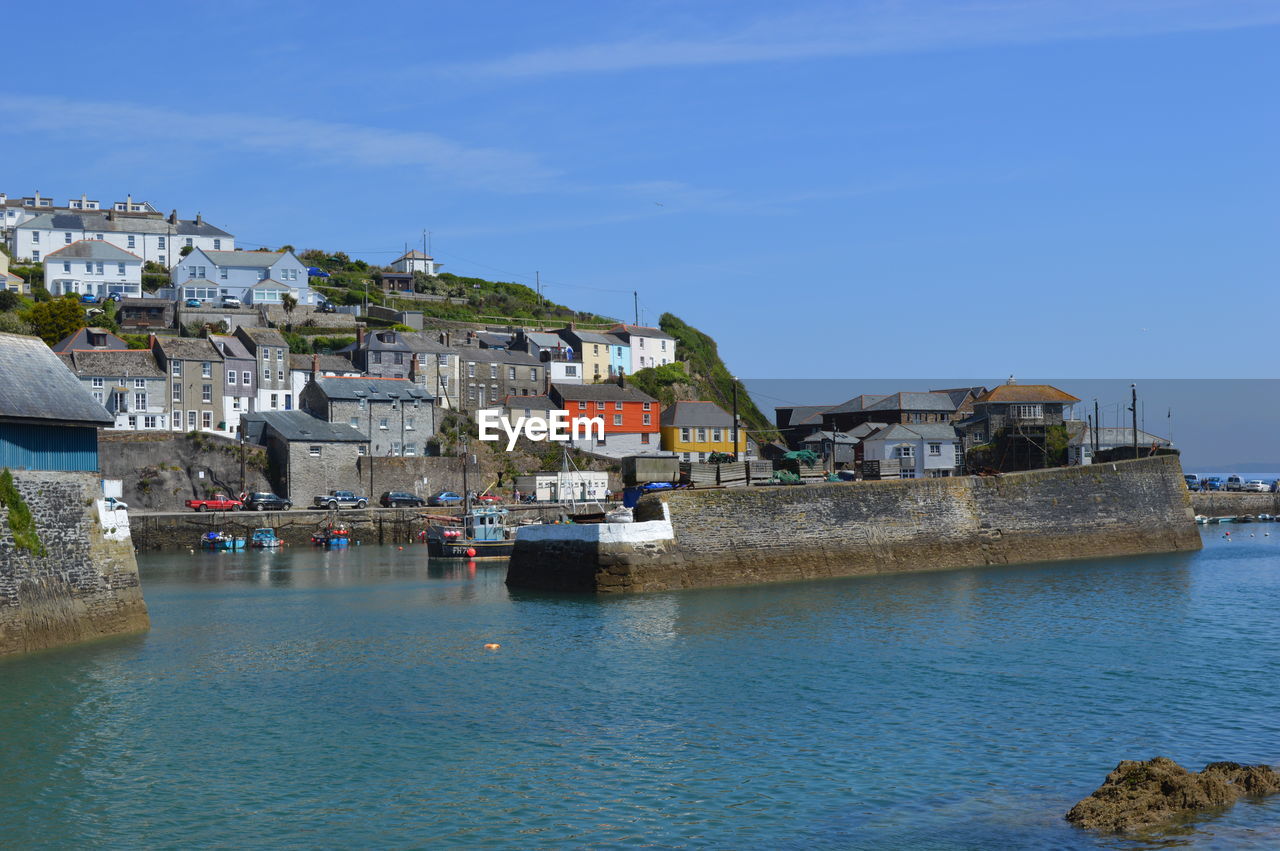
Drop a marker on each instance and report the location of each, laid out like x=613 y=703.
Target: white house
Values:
x=93 y=267
x=254 y=277
x=147 y=235
x=1080 y=441
x=649 y=346
x=925 y=450
x=415 y=261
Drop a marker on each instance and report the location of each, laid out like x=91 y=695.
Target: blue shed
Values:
x=48 y=420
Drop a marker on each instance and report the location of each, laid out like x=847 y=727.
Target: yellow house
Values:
x=696 y=429
x=10 y=281
x=592 y=348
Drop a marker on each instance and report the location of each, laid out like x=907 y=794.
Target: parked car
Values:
x=114 y=297
x=1233 y=483
x=114 y=504
x=401 y=499
x=217 y=502
x=267 y=502
x=1255 y=486
x=444 y=498
x=1193 y=481
x=1212 y=483
x=88 y=299
x=231 y=301
x=326 y=307
x=334 y=500
x=193 y=302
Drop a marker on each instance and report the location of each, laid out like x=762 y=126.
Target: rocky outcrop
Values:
x=1141 y=795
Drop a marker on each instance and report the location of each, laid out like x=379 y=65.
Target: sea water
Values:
x=345 y=698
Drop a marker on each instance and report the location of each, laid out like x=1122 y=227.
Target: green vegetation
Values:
x=21 y=523
x=53 y=320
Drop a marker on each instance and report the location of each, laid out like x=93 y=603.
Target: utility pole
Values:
x=1097 y=423
x=735 y=419
x=635 y=296
x=1133 y=408
x=466 y=489
x=537 y=277
x=243 y=489
x=370 y=404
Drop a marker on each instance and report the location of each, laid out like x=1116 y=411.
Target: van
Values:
x=1192 y=480
x=1234 y=483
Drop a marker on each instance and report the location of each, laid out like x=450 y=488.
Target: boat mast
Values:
x=466 y=491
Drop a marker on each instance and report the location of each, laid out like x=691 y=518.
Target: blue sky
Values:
x=877 y=188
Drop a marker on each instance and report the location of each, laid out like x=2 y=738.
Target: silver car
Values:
x=1255 y=486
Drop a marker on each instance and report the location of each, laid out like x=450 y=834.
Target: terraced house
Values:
x=631 y=417
x=195 y=383
x=146 y=235
x=127 y=382
x=695 y=430
x=491 y=374
x=270 y=354
x=396 y=416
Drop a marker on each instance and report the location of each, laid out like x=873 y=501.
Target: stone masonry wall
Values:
x=1232 y=504
x=753 y=535
x=85 y=586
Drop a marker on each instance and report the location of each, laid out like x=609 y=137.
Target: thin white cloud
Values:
x=890 y=26
x=130 y=126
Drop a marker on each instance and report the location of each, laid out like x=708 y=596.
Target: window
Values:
x=120 y=269
x=935 y=448
x=97 y=383
x=35 y=236
x=206 y=369
x=139 y=384
x=162 y=242
x=717 y=435
x=684 y=435
x=190 y=244
x=206 y=393
x=262 y=274
x=648 y=406
x=570 y=371
x=354 y=422
x=275 y=400
x=222 y=274
x=399 y=357
x=382 y=423
x=217 y=245
x=1026 y=412
x=313 y=451
x=599 y=406
x=664 y=345
x=88 y=268
x=395 y=447
x=177 y=368
x=139 y=401
x=617 y=406
x=905 y=451
x=235 y=403
x=409 y=424
x=266 y=373
x=246 y=376
x=132 y=240
x=364 y=403
x=148 y=422
x=161 y=259
x=35 y=254
x=533 y=374
x=98 y=397
x=641 y=339
x=511 y=374
x=617 y=419
x=582 y=406
x=66 y=238
x=177 y=392
x=471 y=370
x=411 y=449
x=644 y=438
x=493 y=370
x=66 y=266
x=279 y=375
x=647 y=419
x=206 y=419
x=231 y=377
x=362 y=449
x=702 y=435
x=279 y=354
x=266 y=353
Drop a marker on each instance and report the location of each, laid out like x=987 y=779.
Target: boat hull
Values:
x=457 y=548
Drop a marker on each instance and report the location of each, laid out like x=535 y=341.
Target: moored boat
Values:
x=331 y=535
x=221 y=541
x=264 y=539
x=476 y=534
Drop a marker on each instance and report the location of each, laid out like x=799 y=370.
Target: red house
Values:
x=631 y=418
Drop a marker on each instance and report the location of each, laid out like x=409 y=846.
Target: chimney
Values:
x=151 y=341
x=315 y=367
x=199 y=219
x=359 y=336
x=128 y=201
x=173 y=217
x=37 y=197
x=622 y=380
x=111 y=215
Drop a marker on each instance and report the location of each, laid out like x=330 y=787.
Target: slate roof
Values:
x=685 y=414
x=426 y=341
x=97 y=221
x=857 y=403
x=915 y=431
x=372 y=389
x=1025 y=393
x=243 y=259
x=328 y=363
x=502 y=356
x=641 y=331
x=615 y=340
x=301 y=427
x=263 y=336
x=132 y=363
x=533 y=403
x=80 y=340
x=230 y=346
x=39 y=387
x=92 y=249
x=802 y=414
x=373 y=342
x=609 y=392
x=188 y=348
x=415 y=254
x=862 y=430
x=589 y=336
x=494 y=341
x=837 y=437
x=914 y=402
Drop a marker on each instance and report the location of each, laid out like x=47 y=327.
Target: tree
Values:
x=53 y=320
x=186 y=249
x=9 y=300
x=289 y=302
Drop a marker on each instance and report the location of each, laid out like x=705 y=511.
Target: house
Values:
x=142 y=315
x=302 y=367
x=195 y=382
x=694 y=430
x=619 y=355
x=270 y=351
x=308 y=456
x=592 y=349
x=381 y=353
x=396 y=416
x=1019 y=418
x=48 y=421
x=415 y=261
x=834 y=448
x=93 y=267
x=631 y=418
x=127 y=382
x=254 y=277
x=16 y=211
x=240 y=389
x=560 y=360
x=89 y=340
x=924 y=450
x=9 y=281
x=649 y=346
x=435 y=366
x=798 y=422
x=491 y=374
x=396 y=282
x=147 y=236
x=907 y=408
x=1080 y=441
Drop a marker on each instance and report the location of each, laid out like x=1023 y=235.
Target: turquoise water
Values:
x=344 y=698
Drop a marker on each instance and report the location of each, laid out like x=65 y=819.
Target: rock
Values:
x=1139 y=795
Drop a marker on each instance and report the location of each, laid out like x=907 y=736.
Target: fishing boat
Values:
x=477 y=533
x=331 y=535
x=264 y=539
x=221 y=541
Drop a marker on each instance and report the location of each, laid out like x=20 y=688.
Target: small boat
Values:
x=331 y=535
x=1245 y=518
x=1202 y=520
x=1223 y=520
x=221 y=541
x=479 y=533
x=264 y=539
x=1266 y=518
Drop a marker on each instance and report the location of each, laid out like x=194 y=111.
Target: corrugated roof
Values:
x=1026 y=393
x=39 y=386
x=92 y=249
x=685 y=414
x=301 y=427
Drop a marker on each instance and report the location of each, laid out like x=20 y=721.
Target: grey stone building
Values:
x=436 y=366
x=129 y=384
x=309 y=456
x=491 y=374
x=195 y=391
x=396 y=416
x=382 y=354
x=271 y=356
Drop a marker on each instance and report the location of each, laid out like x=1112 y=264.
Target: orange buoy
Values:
x=471 y=552
x=492 y=646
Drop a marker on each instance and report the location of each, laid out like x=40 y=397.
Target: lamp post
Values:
x=735 y=417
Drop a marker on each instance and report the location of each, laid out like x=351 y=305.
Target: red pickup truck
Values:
x=218 y=502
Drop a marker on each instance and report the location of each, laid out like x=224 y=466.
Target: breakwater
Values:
x=691 y=539
x=71 y=576
x=1221 y=504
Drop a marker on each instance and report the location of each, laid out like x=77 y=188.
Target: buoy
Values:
x=471 y=552
x=399 y=548
x=492 y=646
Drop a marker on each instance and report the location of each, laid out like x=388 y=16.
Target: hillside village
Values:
x=321 y=361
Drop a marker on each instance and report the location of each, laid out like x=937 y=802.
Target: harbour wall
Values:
x=1221 y=504
x=84 y=584
x=755 y=535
